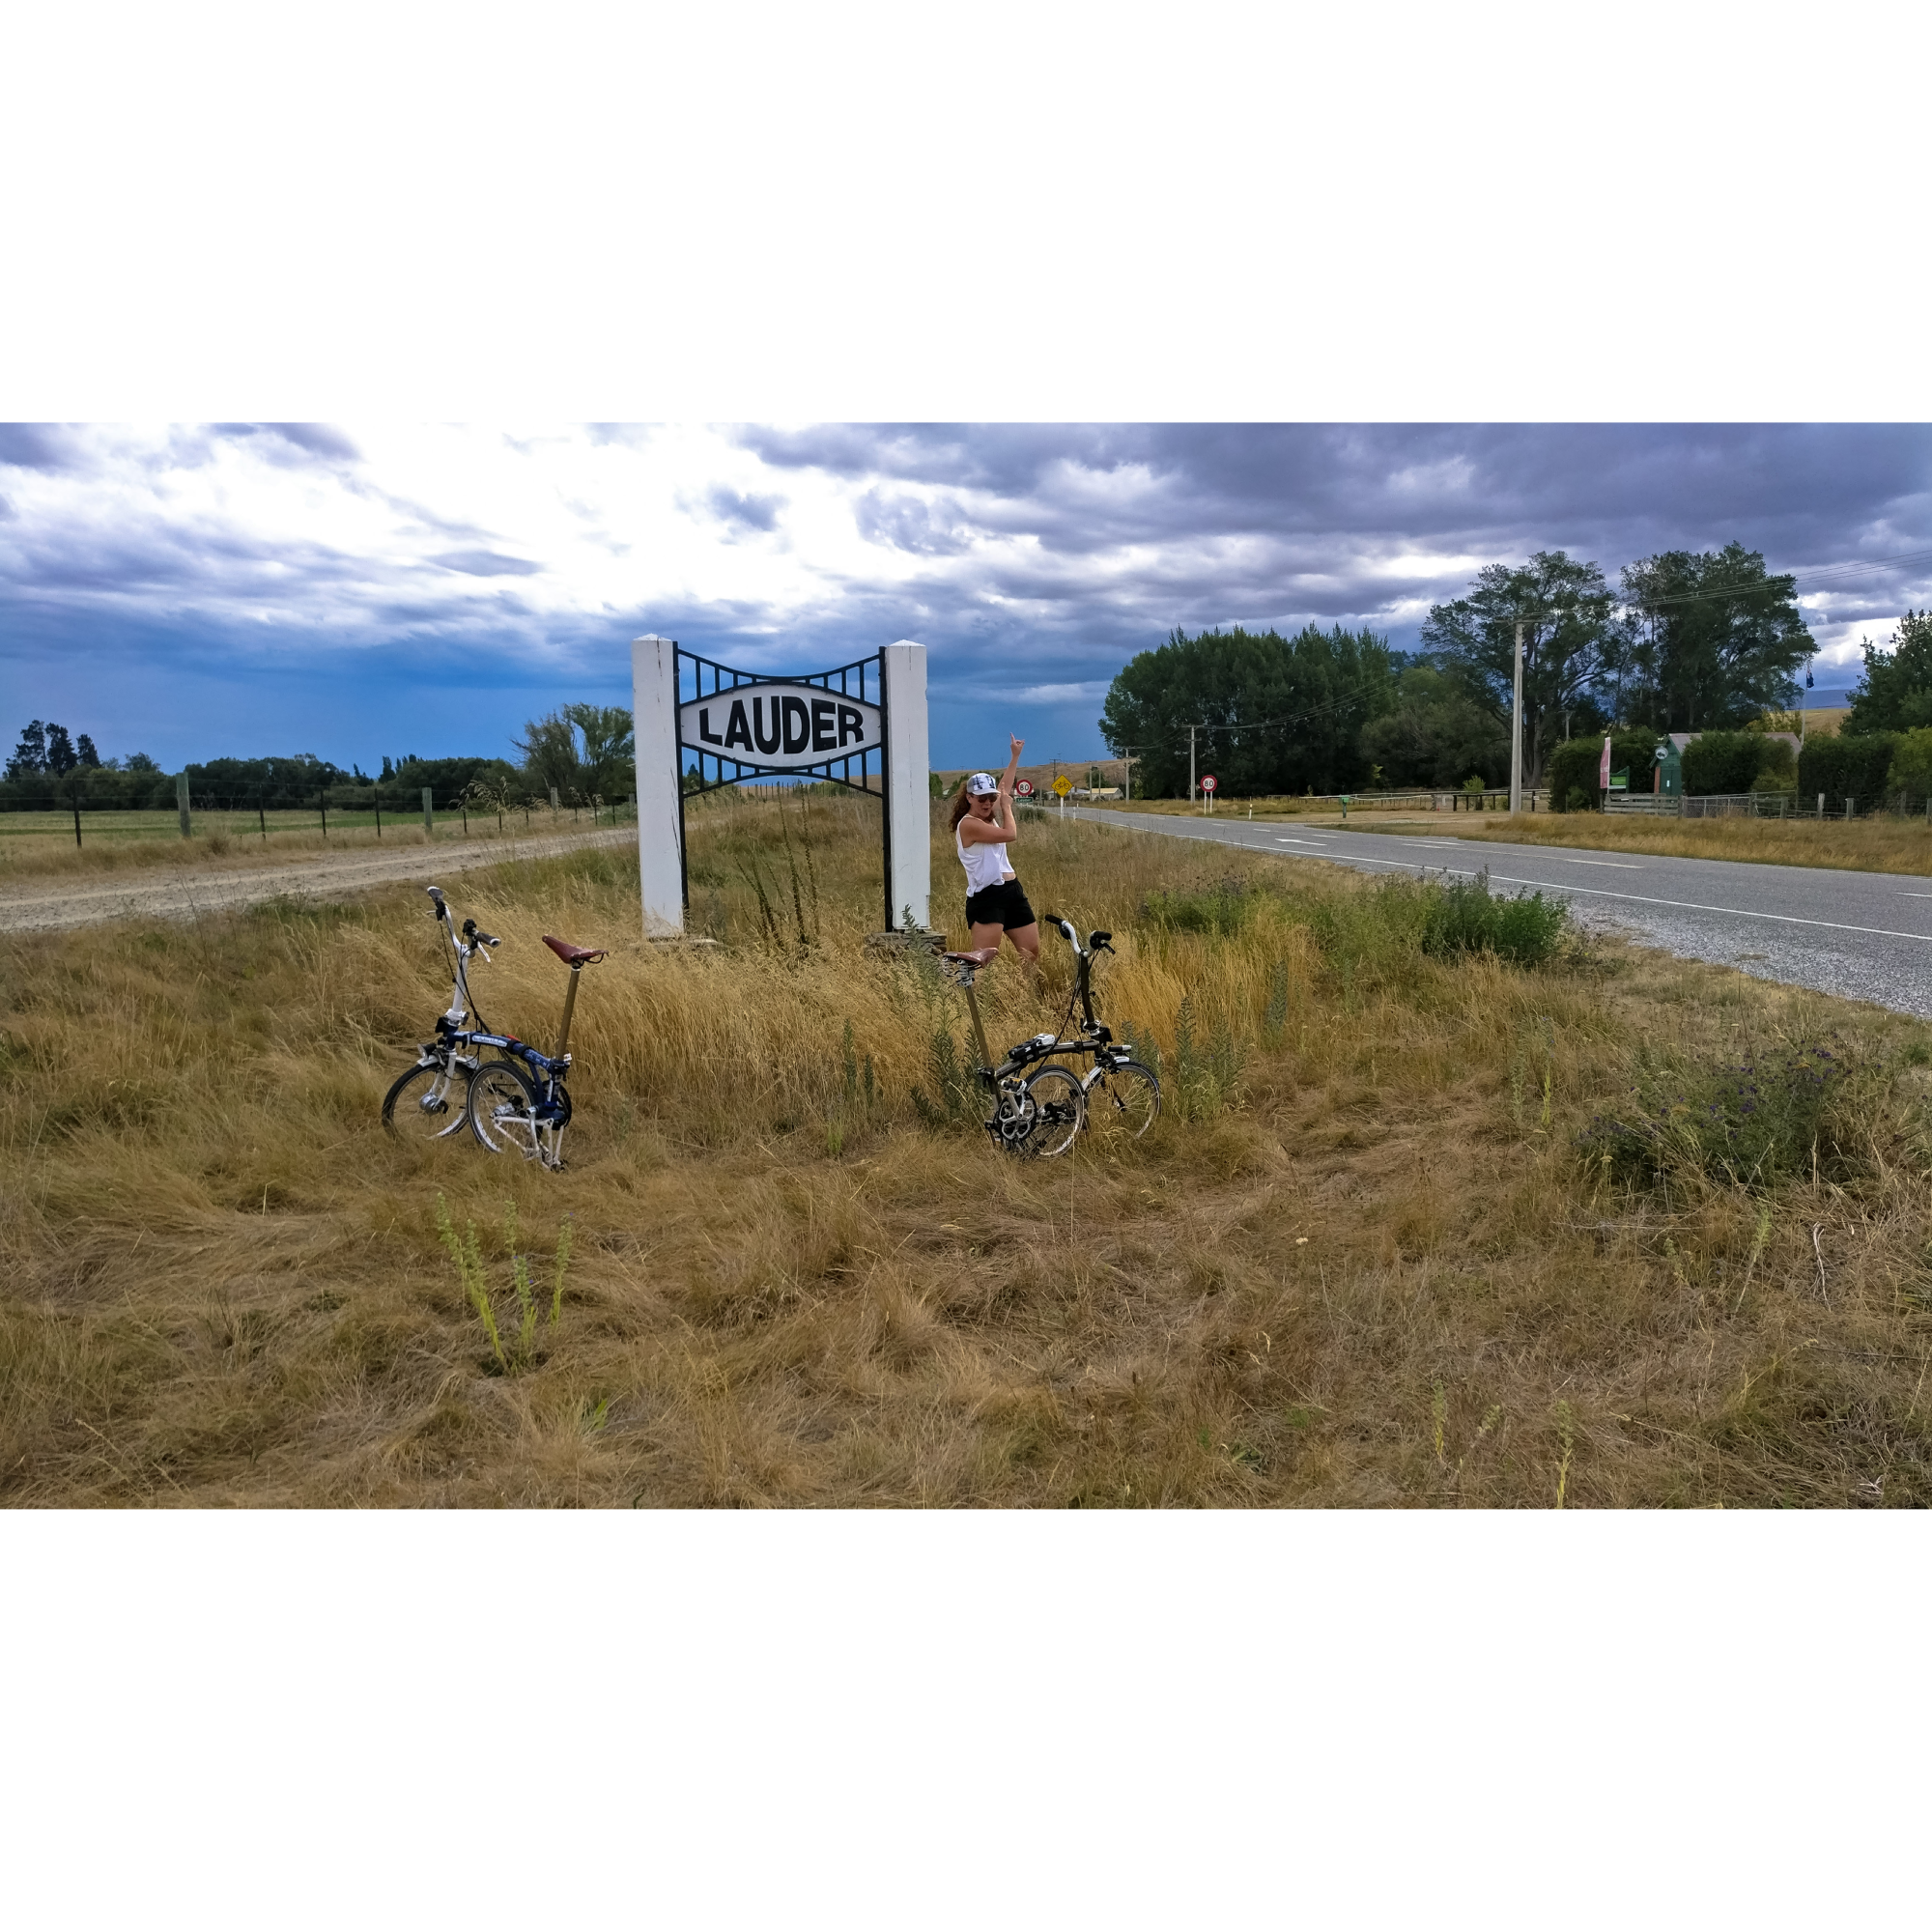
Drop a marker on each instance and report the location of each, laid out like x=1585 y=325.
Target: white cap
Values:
x=981 y=785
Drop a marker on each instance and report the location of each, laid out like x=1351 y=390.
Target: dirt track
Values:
x=184 y=893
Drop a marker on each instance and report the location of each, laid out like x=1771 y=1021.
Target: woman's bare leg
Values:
x=1027 y=939
x=985 y=936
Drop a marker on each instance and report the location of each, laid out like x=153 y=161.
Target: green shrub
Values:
x=1842 y=767
x=1465 y=917
x=1223 y=908
x=1577 y=764
x=1911 y=767
x=1724 y=761
x=1750 y=1123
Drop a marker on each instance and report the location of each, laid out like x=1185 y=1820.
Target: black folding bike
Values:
x=520 y=1104
x=517 y=1103
x=428 y=1102
x=1040 y=1113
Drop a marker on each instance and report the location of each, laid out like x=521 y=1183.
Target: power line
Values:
x=1829 y=575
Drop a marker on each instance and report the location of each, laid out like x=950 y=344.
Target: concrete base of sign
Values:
x=897 y=945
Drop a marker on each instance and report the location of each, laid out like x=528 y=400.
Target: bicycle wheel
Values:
x=426 y=1104
x=1057 y=1108
x=1122 y=1104
x=501 y=1110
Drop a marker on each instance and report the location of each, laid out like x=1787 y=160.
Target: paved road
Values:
x=187 y=891
x=1863 y=935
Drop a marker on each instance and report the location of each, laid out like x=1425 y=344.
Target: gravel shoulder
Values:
x=1859 y=935
x=187 y=893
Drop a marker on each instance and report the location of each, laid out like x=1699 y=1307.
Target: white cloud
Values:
x=1056 y=552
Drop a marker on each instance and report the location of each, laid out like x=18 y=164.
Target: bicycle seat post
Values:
x=979 y=1031
x=569 y=1006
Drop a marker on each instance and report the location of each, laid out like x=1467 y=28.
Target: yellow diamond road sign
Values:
x=1063 y=785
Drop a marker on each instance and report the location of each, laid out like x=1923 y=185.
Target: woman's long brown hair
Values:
x=959 y=801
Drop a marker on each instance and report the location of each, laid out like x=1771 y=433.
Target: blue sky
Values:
x=361 y=590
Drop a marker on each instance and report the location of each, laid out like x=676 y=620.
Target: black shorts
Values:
x=1002 y=905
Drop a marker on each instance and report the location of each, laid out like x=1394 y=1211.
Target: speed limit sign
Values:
x=1211 y=782
x=1024 y=790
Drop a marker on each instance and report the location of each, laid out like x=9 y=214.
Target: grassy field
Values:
x=1388 y=1245
x=39 y=845
x=1878 y=844
x=1864 y=845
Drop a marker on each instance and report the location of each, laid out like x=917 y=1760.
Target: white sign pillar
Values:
x=654 y=714
x=908 y=800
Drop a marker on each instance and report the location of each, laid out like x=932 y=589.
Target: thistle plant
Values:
x=1566 y=1436
x=465 y=1251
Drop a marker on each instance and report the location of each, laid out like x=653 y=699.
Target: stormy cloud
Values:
x=147 y=574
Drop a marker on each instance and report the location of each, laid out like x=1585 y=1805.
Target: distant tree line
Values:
x=1689 y=642
x=583 y=751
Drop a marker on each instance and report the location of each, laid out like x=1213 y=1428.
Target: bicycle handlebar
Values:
x=1098 y=942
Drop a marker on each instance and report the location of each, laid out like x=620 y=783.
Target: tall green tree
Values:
x=1718 y=639
x=582 y=747
x=609 y=755
x=1568 y=621
x=30 y=755
x=1895 y=692
x=1273 y=714
x=1437 y=734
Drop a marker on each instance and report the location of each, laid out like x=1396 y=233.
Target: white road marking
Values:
x=1621 y=865
x=1735 y=912
x=1639 y=899
x=1680 y=905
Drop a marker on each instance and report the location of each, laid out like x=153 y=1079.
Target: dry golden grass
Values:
x=1864 y=845
x=1375 y=1271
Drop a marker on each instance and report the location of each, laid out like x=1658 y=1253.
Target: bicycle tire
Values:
x=425 y=1104
x=1059 y=1108
x=1122 y=1103
x=501 y=1110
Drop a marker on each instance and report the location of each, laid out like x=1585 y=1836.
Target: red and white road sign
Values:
x=1024 y=790
x=1211 y=782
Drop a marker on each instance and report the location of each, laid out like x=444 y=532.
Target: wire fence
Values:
x=329 y=809
x=1821 y=805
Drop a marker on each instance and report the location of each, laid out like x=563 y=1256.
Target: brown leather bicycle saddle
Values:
x=985 y=956
x=573 y=956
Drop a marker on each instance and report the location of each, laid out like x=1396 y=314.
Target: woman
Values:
x=982 y=828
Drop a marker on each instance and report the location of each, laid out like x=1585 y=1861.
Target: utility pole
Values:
x=1516 y=730
x=1191 y=729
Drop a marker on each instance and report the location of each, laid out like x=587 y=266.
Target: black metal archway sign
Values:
x=743 y=726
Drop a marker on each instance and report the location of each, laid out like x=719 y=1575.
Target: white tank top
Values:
x=985 y=864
